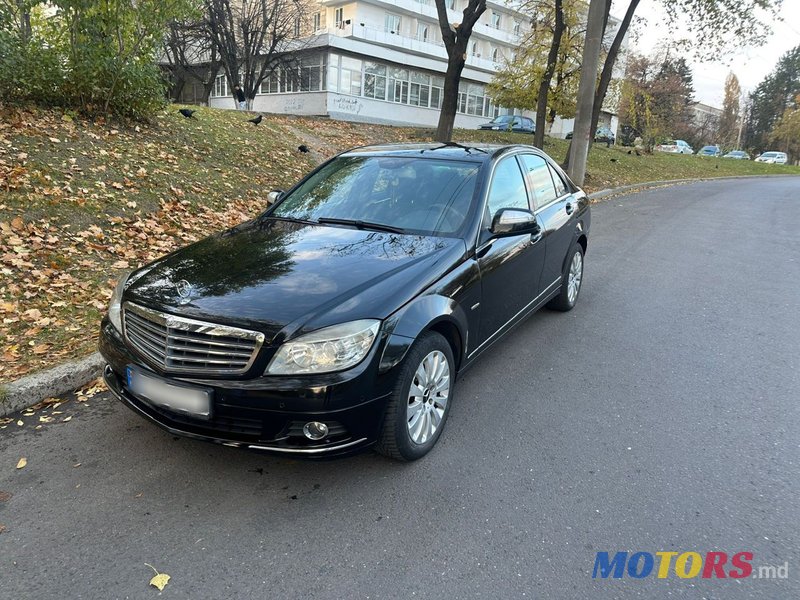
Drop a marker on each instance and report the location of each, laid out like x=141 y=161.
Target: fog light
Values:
x=314 y=430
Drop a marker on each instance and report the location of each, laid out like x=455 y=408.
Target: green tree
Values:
x=656 y=97
x=96 y=55
x=729 y=121
x=771 y=98
x=543 y=74
x=785 y=134
x=710 y=22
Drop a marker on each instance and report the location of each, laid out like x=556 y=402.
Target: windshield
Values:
x=418 y=195
x=709 y=149
x=503 y=119
x=769 y=154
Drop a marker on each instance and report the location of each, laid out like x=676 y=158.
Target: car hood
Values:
x=279 y=277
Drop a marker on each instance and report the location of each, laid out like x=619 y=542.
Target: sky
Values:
x=751 y=65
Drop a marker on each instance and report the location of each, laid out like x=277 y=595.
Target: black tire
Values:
x=563 y=302
x=395 y=439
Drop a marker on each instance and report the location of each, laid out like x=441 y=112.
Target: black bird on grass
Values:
x=256 y=120
x=188 y=113
x=303 y=148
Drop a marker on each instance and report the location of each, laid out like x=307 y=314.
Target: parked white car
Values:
x=675 y=147
x=774 y=158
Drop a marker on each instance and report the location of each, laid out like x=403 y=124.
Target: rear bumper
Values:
x=262 y=414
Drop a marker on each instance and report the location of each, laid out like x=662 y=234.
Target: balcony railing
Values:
x=416 y=45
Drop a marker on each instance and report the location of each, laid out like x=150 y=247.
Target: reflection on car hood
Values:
x=274 y=275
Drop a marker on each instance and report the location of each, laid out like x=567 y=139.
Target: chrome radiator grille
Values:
x=180 y=345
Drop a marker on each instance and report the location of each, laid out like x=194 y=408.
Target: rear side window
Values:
x=561 y=187
x=539 y=179
x=507 y=189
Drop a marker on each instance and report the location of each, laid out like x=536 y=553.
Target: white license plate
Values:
x=192 y=401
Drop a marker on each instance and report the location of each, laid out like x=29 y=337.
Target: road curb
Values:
x=599 y=195
x=67 y=377
x=57 y=381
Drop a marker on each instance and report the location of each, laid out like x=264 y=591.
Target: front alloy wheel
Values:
x=420 y=402
x=428 y=395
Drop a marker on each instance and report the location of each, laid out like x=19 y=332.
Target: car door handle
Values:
x=569 y=208
x=535 y=237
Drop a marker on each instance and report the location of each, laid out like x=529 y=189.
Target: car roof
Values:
x=474 y=152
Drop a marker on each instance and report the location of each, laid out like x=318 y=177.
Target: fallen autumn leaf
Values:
x=160 y=580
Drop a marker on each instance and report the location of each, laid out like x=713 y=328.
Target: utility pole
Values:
x=583 y=117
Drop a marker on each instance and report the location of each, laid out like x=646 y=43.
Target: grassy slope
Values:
x=82 y=202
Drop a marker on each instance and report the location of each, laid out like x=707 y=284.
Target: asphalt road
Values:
x=660 y=414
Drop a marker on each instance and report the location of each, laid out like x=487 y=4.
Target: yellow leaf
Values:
x=160 y=580
x=22 y=462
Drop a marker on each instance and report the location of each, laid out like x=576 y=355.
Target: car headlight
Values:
x=115 y=304
x=329 y=349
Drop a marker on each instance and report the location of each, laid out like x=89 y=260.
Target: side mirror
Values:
x=274 y=196
x=514 y=221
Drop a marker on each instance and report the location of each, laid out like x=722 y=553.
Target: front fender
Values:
x=426 y=312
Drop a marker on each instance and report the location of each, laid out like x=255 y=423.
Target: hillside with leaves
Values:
x=83 y=201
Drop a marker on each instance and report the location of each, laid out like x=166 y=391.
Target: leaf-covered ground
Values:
x=82 y=201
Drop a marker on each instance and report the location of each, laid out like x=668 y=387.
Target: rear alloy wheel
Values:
x=570 y=281
x=420 y=401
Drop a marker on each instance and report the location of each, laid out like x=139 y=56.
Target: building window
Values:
x=495 y=22
x=350 y=76
x=451 y=5
x=517 y=26
x=297 y=27
x=312 y=69
x=474 y=51
x=496 y=55
x=220 y=87
x=392 y=23
x=271 y=84
x=422 y=32
x=308 y=75
x=338 y=17
x=375 y=80
x=391 y=83
x=317 y=21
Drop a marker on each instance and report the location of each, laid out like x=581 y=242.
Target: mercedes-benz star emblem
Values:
x=184 y=289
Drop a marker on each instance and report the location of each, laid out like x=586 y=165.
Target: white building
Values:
x=384 y=62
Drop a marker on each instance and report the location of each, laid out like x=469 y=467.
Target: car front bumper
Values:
x=266 y=413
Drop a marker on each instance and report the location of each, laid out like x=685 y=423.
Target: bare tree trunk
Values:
x=608 y=66
x=455 y=38
x=25 y=31
x=547 y=76
x=583 y=117
x=447 y=116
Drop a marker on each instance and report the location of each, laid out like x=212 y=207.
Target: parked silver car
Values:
x=675 y=147
x=773 y=158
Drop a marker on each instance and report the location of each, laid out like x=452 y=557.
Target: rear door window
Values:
x=561 y=187
x=540 y=181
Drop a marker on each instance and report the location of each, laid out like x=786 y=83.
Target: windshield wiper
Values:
x=359 y=224
x=456 y=145
x=291 y=219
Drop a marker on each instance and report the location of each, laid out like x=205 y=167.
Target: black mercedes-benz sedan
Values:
x=342 y=316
